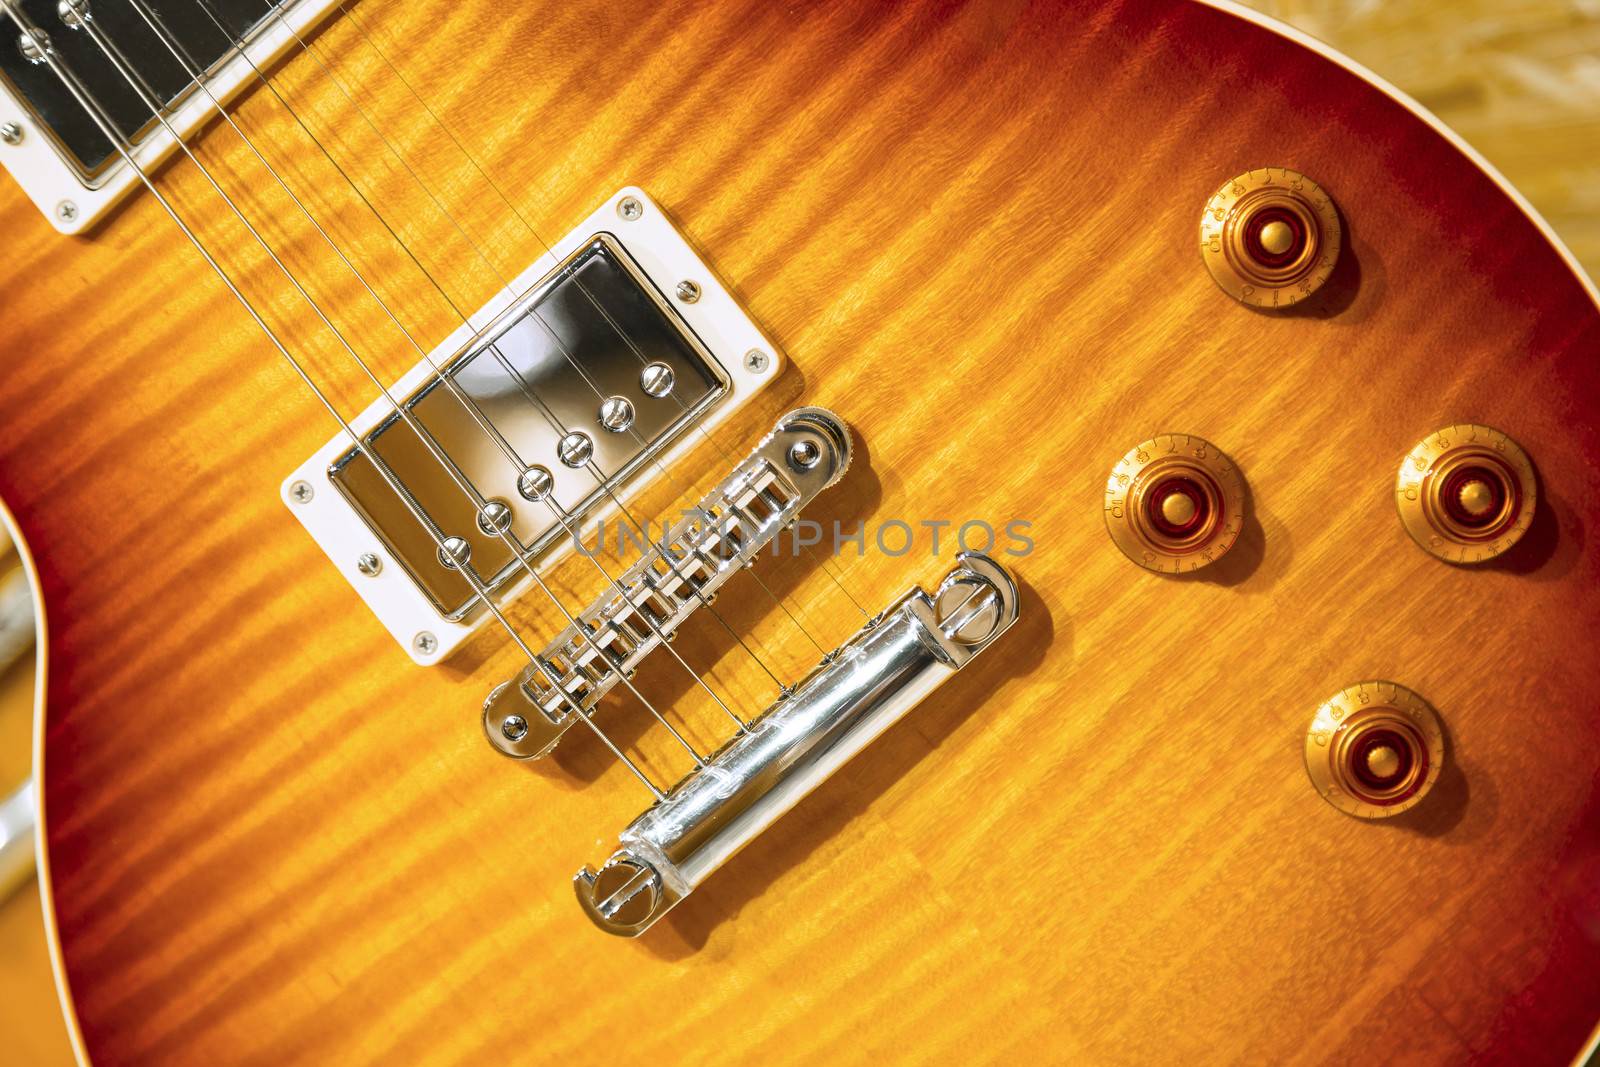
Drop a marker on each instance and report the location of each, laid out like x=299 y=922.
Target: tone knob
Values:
x=1374 y=749
x=1270 y=237
x=1174 y=503
x=1467 y=493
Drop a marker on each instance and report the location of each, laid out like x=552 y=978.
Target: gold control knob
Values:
x=1270 y=237
x=1374 y=749
x=1467 y=493
x=1174 y=503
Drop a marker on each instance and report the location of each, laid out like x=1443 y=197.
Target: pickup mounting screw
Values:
x=656 y=380
x=515 y=728
x=756 y=361
x=630 y=208
x=11 y=133
x=689 y=292
x=575 y=449
x=301 y=492
x=425 y=643
x=66 y=211
x=454 y=552
x=616 y=414
x=369 y=564
x=495 y=518
x=536 y=483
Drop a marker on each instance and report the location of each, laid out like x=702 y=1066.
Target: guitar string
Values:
x=522 y=219
x=315 y=53
x=170 y=40
x=125 y=68
x=100 y=118
x=136 y=80
x=666 y=554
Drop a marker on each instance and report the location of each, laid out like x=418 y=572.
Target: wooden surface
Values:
x=973 y=231
x=1519 y=79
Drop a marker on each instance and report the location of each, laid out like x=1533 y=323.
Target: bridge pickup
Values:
x=808 y=451
x=855 y=694
x=590 y=372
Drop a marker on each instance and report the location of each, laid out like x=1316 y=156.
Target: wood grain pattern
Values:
x=1519 y=79
x=972 y=229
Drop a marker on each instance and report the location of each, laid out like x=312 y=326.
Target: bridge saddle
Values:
x=806 y=452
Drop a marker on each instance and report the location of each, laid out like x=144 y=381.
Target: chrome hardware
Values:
x=616 y=413
x=756 y=361
x=11 y=133
x=495 y=517
x=74 y=13
x=855 y=694
x=531 y=376
x=725 y=532
x=576 y=449
x=535 y=483
x=656 y=380
x=455 y=553
x=369 y=564
x=28 y=45
x=425 y=643
x=688 y=292
x=593 y=319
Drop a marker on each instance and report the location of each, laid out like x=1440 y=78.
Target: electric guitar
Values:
x=793 y=533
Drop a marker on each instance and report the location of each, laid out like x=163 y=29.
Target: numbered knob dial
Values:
x=1374 y=749
x=1270 y=237
x=1174 y=503
x=1466 y=493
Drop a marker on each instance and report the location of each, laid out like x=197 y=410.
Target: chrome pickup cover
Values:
x=539 y=375
x=807 y=451
x=570 y=341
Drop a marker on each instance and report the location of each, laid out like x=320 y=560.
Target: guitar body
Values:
x=973 y=231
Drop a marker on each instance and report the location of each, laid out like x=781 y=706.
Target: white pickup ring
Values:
x=747 y=358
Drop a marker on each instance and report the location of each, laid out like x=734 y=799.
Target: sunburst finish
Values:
x=972 y=228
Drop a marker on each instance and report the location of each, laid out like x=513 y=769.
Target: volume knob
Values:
x=1270 y=237
x=1374 y=749
x=1466 y=493
x=1174 y=503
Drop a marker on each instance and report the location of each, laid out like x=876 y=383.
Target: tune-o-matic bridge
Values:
x=806 y=452
x=851 y=697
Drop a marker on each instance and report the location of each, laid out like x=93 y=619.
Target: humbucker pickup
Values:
x=808 y=451
x=604 y=362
